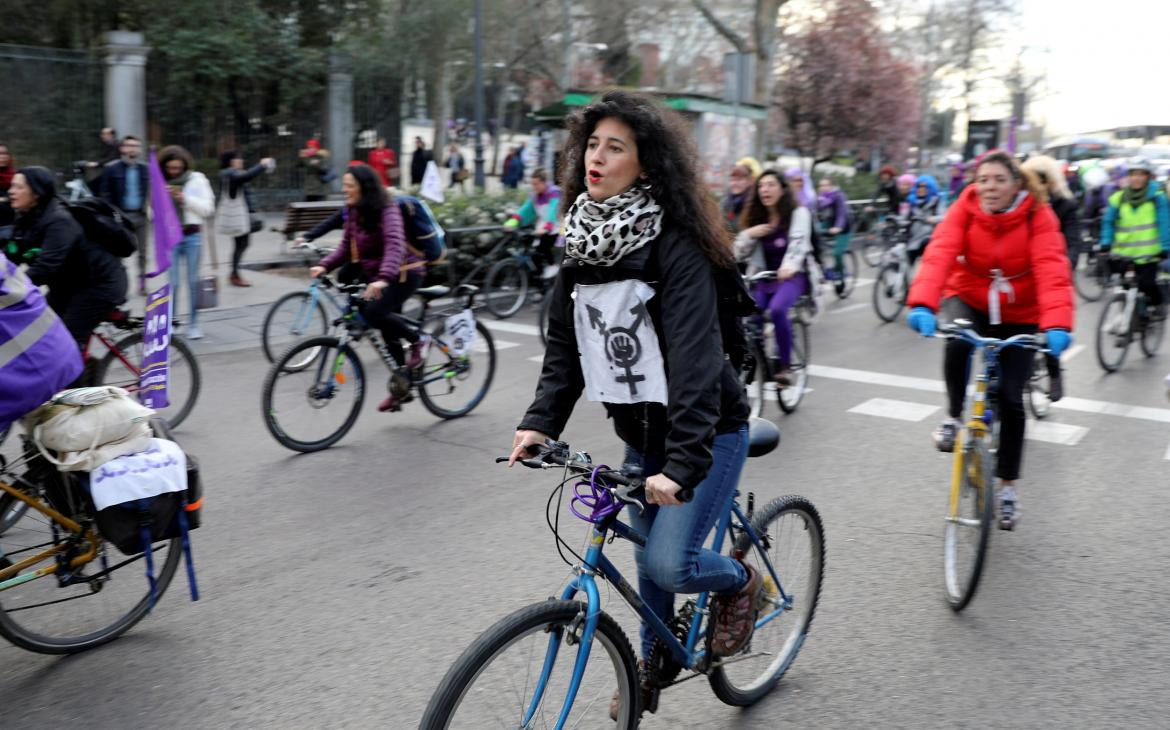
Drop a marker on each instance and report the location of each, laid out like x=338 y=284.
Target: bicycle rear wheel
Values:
x=757 y=382
x=453 y=385
x=1113 y=334
x=107 y=599
x=122 y=366
x=873 y=249
x=1091 y=276
x=889 y=292
x=1038 y=392
x=518 y=673
x=967 y=534
x=848 y=281
x=312 y=376
x=793 y=540
x=790 y=397
x=293 y=317
x=506 y=288
x=1152 y=334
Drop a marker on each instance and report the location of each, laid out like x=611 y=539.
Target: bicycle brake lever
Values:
x=624 y=492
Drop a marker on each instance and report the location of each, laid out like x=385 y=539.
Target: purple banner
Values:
x=167 y=229
x=156 y=339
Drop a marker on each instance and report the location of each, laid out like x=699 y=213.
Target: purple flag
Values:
x=168 y=231
x=156 y=339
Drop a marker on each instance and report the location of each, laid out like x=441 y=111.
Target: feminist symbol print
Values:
x=620 y=356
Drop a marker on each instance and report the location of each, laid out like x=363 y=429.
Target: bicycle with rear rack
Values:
x=971 y=505
x=538 y=666
x=314 y=392
x=1127 y=316
x=759 y=370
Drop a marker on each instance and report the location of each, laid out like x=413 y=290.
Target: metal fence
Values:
x=53 y=105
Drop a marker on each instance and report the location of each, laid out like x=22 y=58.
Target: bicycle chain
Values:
x=661 y=668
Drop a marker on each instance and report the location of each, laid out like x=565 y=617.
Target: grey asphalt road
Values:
x=338 y=587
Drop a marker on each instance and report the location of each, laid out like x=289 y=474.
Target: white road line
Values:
x=513 y=327
x=1082 y=405
x=1072 y=352
x=1167 y=456
x=850 y=308
x=1055 y=433
x=898 y=409
x=500 y=345
x=863 y=282
x=535 y=358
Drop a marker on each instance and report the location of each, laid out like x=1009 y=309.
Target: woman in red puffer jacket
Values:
x=999 y=260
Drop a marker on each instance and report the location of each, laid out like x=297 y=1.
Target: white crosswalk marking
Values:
x=898 y=409
x=479 y=346
x=513 y=327
x=849 y=308
x=1054 y=433
x=1071 y=352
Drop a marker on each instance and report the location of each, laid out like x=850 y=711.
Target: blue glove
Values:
x=1058 y=341
x=922 y=321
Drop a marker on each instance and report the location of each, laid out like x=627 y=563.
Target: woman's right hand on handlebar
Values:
x=316 y=271
x=523 y=439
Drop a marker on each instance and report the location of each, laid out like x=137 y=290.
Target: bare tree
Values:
x=761 y=41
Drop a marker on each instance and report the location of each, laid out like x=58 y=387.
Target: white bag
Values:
x=89 y=426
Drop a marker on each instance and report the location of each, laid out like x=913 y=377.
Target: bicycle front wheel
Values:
x=1113 y=334
x=968 y=527
x=889 y=292
x=848 y=281
x=453 y=385
x=756 y=382
x=293 y=317
x=792 y=542
x=122 y=366
x=1152 y=334
x=103 y=601
x=518 y=674
x=313 y=394
x=506 y=288
x=872 y=250
x=789 y=397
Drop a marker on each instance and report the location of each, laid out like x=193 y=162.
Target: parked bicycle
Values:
x=301 y=314
x=540 y=666
x=324 y=373
x=1127 y=316
x=508 y=284
x=758 y=372
x=971 y=505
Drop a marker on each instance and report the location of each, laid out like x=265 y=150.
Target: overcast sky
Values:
x=1107 y=63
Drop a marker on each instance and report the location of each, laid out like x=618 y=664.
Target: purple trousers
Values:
x=776 y=298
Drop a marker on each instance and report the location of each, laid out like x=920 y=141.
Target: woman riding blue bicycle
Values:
x=633 y=324
x=997 y=259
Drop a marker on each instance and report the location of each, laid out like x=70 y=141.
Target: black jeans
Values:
x=80 y=312
x=383 y=315
x=1147 y=281
x=1015 y=368
x=238 y=252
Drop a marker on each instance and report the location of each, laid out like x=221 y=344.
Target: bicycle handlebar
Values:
x=961 y=332
x=767 y=275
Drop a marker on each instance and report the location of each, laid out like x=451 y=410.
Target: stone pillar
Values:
x=339 y=121
x=125 y=95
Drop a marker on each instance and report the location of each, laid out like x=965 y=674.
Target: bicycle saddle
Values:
x=116 y=316
x=763 y=436
x=433 y=292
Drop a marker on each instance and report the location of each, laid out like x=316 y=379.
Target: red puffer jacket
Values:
x=1024 y=246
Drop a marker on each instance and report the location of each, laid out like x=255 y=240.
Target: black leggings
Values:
x=1015 y=367
x=383 y=314
x=238 y=252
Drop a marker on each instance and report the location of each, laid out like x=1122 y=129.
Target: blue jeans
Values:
x=187 y=253
x=674 y=559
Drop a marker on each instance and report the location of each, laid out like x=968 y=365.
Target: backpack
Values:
x=104 y=224
x=424 y=235
x=734 y=303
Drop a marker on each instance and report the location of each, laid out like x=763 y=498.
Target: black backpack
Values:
x=104 y=224
x=734 y=302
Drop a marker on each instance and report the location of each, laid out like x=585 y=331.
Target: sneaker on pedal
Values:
x=944 y=436
x=418 y=352
x=1009 y=508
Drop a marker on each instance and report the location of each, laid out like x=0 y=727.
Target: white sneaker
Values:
x=194 y=333
x=1009 y=508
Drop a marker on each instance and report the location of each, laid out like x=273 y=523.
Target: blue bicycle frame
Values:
x=585 y=581
x=309 y=308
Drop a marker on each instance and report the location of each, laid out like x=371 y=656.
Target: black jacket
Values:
x=704 y=394
x=1067 y=210
x=235 y=180
x=418 y=165
x=111 y=184
x=67 y=263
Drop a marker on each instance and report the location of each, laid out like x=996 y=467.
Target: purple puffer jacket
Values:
x=383 y=254
x=38 y=357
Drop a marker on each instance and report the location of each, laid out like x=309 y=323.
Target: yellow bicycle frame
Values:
x=976 y=428
x=10 y=576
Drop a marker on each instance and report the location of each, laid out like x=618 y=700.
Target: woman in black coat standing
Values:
x=234 y=179
x=85 y=281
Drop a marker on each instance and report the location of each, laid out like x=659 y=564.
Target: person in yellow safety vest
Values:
x=1137 y=226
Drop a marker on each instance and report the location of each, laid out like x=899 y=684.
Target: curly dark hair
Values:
x=669 y=160
x=374 y=197
x=175 y=152
x=755 y=212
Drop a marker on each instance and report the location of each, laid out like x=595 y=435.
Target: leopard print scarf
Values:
x=602 y=233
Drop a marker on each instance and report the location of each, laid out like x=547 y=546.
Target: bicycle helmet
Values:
x=1141 y=163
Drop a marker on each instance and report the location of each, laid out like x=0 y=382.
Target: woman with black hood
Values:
x=236 y=207
x=85 y=281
